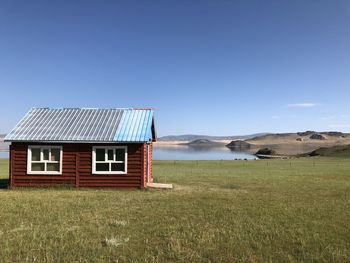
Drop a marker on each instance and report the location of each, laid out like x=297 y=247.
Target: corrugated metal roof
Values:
x=88 y=125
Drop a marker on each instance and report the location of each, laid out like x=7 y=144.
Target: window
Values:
x=44 y=160
x=109 y=160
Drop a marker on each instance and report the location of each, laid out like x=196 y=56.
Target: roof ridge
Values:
x=88 y=108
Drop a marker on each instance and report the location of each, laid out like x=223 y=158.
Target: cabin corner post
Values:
x=150 y=162
x=10 y=183
x=143 y=170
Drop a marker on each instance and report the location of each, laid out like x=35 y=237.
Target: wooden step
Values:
x=160 y=186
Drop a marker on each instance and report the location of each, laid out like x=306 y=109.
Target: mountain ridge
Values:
x=192 y=137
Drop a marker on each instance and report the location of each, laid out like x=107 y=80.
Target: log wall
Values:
x=77 y=167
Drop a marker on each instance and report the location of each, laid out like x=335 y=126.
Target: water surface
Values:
x=183 y=152
x=4 y=154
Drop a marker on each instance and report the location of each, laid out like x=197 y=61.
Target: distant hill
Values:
x=239 y=145
x=307 y=134
x=300 y=142
x=203 y=143
x=271 y=136
x=192 y=137
x=282 y=143
x=335 y=151
x=251 y=137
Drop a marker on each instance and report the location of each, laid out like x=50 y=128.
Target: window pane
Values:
x=38 y=167
x=120 y=167
x=120 y=154
x=46 y=154
x=102 y=167
x=110 y=154
x=55 y=155
x=53 y=167
x=100 y=154
x=35 y=154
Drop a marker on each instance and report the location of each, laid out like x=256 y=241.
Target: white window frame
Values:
x=42 y=147
x=106 y=148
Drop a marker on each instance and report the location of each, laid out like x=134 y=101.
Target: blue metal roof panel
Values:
x=121 y=128
x=134 y=126
x=110 y=125
x=138 y=133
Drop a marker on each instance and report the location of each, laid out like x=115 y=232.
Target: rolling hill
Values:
x=300 y=142
x=335 y=151
x=281 y=143
x=192 y=137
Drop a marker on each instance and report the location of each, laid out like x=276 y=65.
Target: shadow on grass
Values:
x=4 y=183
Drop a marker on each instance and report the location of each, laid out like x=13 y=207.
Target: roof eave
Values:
x=76 y=141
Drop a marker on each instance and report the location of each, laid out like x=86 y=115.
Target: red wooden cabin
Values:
x=82 y=148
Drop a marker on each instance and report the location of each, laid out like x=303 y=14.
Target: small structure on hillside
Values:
x=83 y=148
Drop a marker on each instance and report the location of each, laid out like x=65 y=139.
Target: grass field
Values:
x=219 y=211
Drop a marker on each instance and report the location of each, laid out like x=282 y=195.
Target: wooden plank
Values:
x=132 y=181
x=45 y=181
x=160 y=186
x=115 y=184
x=109 y=177
x=46 y=177
x=50 y=184
x=112 y=186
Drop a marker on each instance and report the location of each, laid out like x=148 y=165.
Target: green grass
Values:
x=219 y=211
x=335 y=151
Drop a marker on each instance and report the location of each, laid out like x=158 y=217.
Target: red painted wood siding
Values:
x=77 y=168
x=150 y=162
x=149 y=153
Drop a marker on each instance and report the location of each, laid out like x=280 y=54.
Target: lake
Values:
x=184 y=152
x=189 y=153
x=4 y=154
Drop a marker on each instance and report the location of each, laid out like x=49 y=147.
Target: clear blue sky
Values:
x=207 y=67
